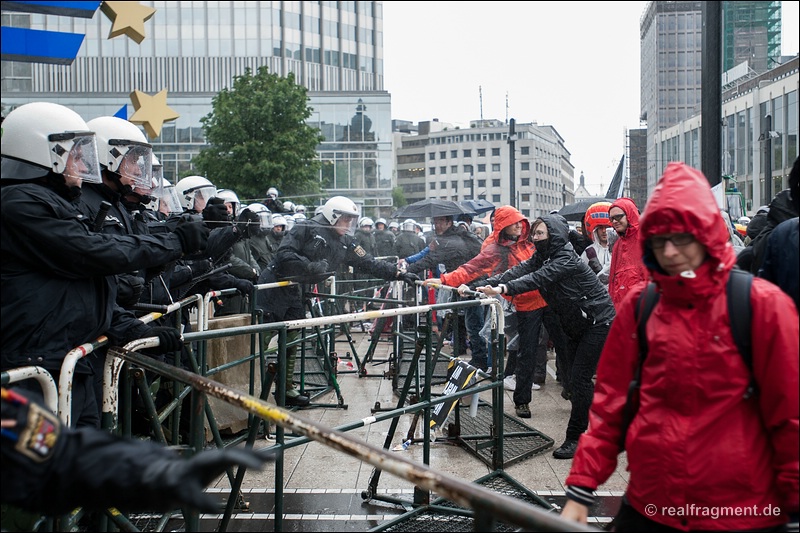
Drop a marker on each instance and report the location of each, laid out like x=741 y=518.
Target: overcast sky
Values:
x=572 y=65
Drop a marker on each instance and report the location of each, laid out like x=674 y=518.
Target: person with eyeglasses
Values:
x=627 y=271
x=699 y=440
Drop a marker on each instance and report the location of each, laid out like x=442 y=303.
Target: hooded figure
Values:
x=696 y=436
x=582 y=304
x=627 y=271
x=510 y=246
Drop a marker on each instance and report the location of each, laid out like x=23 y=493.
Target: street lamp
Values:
x=512 y=161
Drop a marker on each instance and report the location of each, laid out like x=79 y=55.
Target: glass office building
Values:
x=194 y=49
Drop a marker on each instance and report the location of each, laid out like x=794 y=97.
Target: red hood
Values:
x=682 y=202
x=631 y=213
x=506 y=215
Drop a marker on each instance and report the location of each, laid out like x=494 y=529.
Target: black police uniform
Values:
x=57 y=279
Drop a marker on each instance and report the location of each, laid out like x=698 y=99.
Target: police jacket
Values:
x=697 y=439
x=453 y=248
x=566 y=283
x=55 y=277
x=263 y=248
x=316 y=240
x=384 y=243
x=408 y=243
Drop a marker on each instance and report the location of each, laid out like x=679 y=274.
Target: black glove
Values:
x=243 y=286
x=199 y=266
x=129 y=289
x=249 y=223
x=169 y=340
x=181 y=481
x=407 y=277
x=318 y=268
x=193 y=236
x=215 y=212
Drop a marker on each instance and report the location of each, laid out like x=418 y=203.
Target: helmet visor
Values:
x=74 y=154
x=133 y=161
x=346 y=224
x=168 y=201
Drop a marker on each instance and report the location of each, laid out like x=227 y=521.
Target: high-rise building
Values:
x=671 y=45
x=450 y=163
x=195 y=49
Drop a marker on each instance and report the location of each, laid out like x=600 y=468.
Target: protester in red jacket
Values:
x=627 y=270
x=508 y=245
x=702 y=454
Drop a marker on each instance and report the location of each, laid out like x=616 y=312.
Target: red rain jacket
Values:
x=627 y=271
x=498 y=256
x=697 y=447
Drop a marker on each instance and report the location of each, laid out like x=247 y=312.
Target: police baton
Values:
x=101 y=216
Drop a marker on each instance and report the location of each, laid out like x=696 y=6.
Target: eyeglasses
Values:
x=617 y=218
x=677 y=239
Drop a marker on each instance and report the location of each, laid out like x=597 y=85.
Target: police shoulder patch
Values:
x=360 y=252
x=38 y=440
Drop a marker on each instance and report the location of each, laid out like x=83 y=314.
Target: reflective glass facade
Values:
x=194 y=49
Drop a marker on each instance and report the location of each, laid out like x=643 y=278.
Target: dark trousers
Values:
x=585 y=350
x=473 y=319
x=540 y=368
x=528 y=325
x=553 y=326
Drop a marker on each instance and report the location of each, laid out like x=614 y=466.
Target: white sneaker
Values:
x=536 y=386
x=510 y=383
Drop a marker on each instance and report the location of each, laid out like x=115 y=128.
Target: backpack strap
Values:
x=740 y=314
x=644 y=307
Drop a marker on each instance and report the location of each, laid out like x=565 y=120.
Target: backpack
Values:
x=738 y=289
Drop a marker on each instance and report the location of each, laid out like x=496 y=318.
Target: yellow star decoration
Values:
x=128 y=18
x=151 y=111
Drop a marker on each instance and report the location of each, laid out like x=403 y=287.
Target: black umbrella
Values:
x=432 y=208
x=478 y=206
x=575 y=212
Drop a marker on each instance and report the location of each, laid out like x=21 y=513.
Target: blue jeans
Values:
x=473 y=317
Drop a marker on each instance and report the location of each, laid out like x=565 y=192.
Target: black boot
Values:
x=567 y=450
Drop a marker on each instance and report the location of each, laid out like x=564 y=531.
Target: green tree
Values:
x=258 y=138
x=398 y=197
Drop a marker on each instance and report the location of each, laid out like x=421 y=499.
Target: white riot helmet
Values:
x=365 y=222
x=290 y=223
x=318 y=210
x=299 y=216
x=342 y=212
x=743 y=220
x=123 y=149
x=148 y=196
x=264 y=215
x=279 y=220
x=43 y=137
x=288 y=207
x=409 y=224
x=380 y=221
x=232 y=198
x=168 y=201
x=299 y=208
x=394 y=225
x=272 y=192
x=194 y=192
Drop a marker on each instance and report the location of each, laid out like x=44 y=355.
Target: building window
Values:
x=525 y=166
x=454 y=169
x=431 y=171
x=467 y=153
x=525 y=150
x=431 y=156
x=495 y=183
x=481 y=152
x=526 y=213
x=467 y=183
x=442 y=184
x=526 y=197
x=432 y=185
x=442 y=154
x=481 y=183
x=525 y=182
x=481 y=168
x=468 y=169
x=454 y=185
x=453 y=153
x=495 y=151
x=496 y=198
x=442 y=170
x=495 y=167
